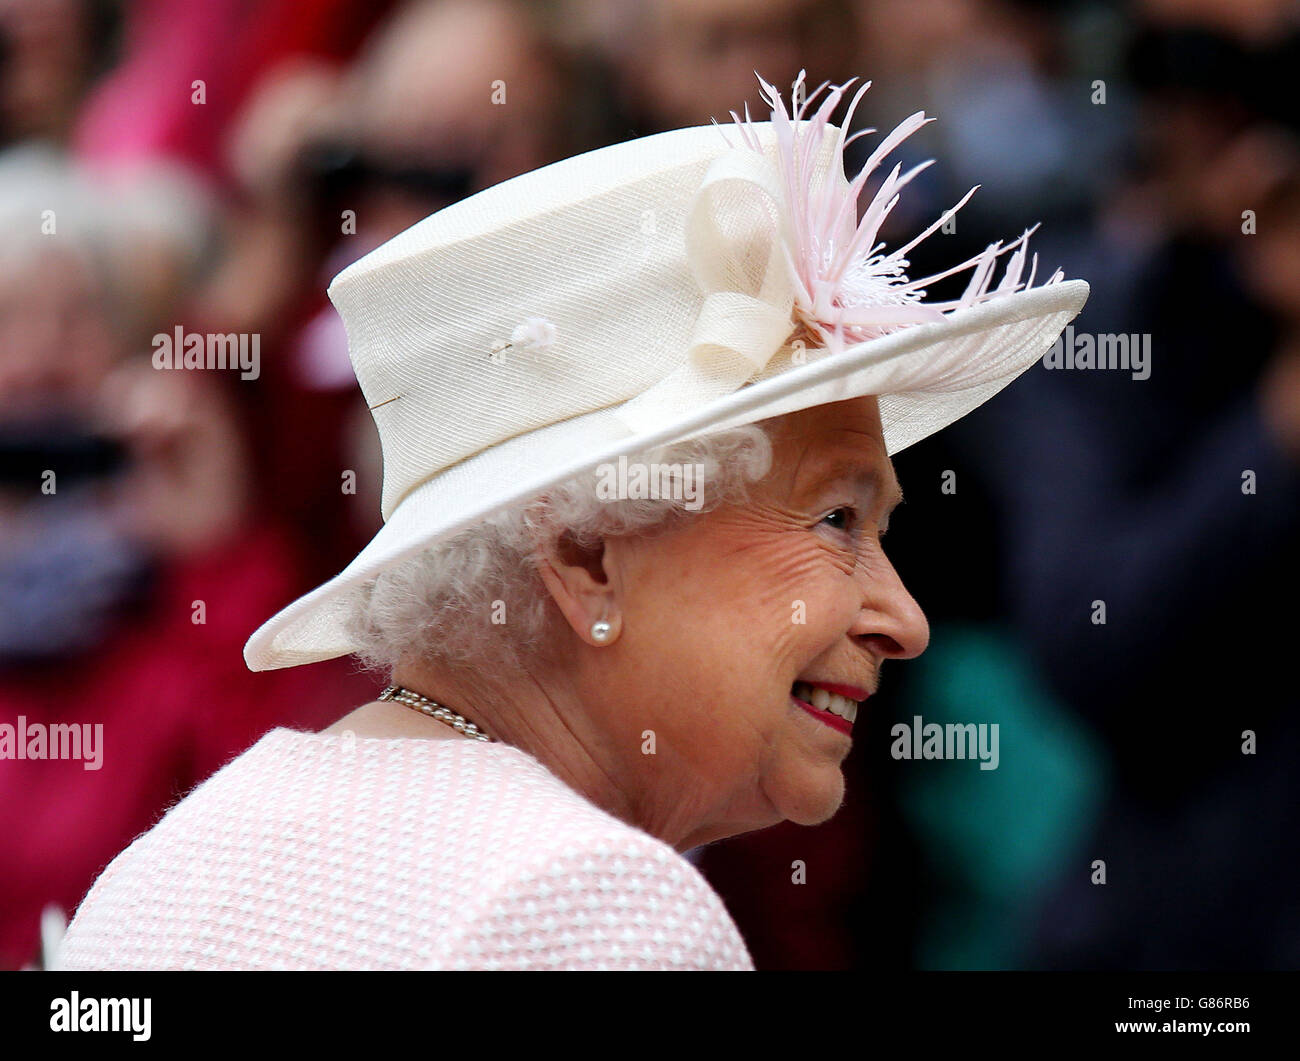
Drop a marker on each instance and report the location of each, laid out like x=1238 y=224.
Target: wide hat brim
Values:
x=925 y=377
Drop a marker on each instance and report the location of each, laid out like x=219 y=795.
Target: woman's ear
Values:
x=578 y=579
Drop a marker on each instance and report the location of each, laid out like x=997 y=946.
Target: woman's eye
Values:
x=844 y=518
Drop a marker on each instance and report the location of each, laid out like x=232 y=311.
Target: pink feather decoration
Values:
x=847 y=289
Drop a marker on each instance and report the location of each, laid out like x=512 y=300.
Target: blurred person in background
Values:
x=130 y=563
x=1174 y=500
x=966 y=854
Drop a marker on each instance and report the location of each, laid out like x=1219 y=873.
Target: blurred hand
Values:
x=1280 y=397
x=1240 y=175
x=186 y=487
x=292 y=105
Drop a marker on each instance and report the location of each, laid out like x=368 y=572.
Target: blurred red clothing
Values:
x=145 y=105
x=176 y=702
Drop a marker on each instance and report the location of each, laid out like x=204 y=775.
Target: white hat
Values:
x=647 y=292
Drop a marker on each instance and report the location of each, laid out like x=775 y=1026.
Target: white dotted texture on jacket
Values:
x=315 y=851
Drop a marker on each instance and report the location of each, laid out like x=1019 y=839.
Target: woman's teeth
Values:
x=826 y=701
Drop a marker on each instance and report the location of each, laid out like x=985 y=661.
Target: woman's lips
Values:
x=834 y=721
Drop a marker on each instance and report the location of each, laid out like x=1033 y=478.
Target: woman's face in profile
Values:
x=722 y=616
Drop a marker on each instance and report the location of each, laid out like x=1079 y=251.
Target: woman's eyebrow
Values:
x=854 y=470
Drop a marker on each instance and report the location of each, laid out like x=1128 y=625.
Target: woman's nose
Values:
x=890 y=616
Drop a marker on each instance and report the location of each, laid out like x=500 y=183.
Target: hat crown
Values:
x=553 y=294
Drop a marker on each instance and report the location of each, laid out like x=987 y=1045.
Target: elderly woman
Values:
x=637 y=410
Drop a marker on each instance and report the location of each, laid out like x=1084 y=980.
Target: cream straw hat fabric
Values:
x=647 y=292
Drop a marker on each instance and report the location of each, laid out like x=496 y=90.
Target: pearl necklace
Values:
x=435 y=710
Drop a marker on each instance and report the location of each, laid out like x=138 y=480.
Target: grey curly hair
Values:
x=478 y=598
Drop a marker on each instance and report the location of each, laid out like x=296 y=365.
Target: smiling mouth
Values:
x=833 y=708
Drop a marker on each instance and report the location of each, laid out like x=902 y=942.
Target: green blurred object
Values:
x=993 y=839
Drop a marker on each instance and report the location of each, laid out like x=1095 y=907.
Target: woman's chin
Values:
x=815 y=800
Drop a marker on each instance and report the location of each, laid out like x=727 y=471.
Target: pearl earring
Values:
x=600 y=631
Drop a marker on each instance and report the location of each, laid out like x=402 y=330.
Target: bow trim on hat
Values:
x=778 y=250
x=735 y=220
x=735 y=246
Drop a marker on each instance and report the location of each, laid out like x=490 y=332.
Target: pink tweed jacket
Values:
x=332 y=852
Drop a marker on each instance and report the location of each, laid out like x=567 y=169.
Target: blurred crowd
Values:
x=206 y=166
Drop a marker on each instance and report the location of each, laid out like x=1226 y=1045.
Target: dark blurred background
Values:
x=209 y=165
